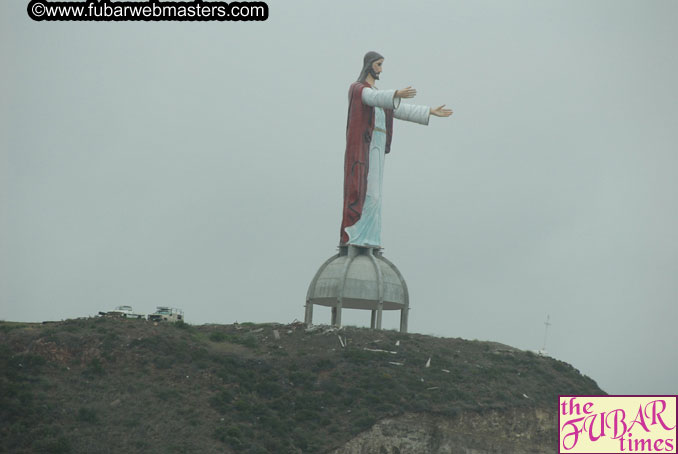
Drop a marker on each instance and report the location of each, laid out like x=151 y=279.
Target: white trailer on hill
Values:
x=123 y=312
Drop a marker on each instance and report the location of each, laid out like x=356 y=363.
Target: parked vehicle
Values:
x=166 y=314
x=123 y=312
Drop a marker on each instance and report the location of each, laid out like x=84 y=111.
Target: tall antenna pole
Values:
x=546 y=331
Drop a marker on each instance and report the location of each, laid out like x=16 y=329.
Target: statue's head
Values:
x=371 y=65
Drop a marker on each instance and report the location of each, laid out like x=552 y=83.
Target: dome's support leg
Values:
x=403 y=319
x=336 y=315
x=308 y=319
x=373 y=322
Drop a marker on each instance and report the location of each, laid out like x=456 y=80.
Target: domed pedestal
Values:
x=358 y=278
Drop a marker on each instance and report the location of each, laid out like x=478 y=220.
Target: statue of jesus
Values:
x=369 y=130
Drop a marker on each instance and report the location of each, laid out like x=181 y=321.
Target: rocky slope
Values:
x=108 y=385
x=492 y=432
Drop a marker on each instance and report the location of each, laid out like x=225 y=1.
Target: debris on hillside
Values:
x=379 y=350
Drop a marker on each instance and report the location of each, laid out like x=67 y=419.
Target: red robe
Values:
x=359 y=127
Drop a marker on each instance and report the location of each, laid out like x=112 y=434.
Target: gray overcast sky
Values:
x=199 y=165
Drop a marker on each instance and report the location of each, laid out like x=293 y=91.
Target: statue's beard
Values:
x=374 y=74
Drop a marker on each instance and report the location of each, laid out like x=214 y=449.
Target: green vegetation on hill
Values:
x=109 y=385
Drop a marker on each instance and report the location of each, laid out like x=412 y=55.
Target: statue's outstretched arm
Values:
x=413 y=113
x=386 y=99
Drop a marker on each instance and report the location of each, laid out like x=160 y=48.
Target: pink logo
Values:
x=617 y=424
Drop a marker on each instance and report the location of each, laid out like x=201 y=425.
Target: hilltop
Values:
x=104 y=385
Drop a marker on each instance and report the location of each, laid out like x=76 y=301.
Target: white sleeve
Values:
x=380 y=98
x=412 y=112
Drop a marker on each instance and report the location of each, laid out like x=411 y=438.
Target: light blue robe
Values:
x=367 y=231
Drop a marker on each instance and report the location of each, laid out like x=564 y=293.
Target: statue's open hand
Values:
x=440 y=112
x=408 y=92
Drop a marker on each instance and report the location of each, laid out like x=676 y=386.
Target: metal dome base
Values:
x=358 y=278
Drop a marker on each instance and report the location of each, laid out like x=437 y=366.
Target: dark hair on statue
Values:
x=369 y=58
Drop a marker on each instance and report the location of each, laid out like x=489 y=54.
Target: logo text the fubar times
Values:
x=617 y=424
